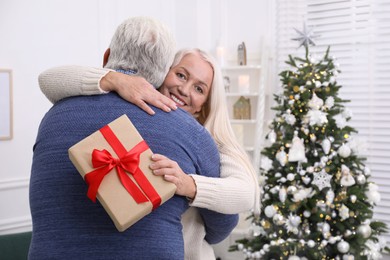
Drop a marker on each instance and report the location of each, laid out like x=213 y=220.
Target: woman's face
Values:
x=189 y=82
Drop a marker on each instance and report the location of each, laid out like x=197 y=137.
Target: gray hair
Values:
x=144 y=45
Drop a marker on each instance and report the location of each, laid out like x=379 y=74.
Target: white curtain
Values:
x=358 y=33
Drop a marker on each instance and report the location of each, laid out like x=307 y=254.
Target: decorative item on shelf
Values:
x=226 y=83
x=242 y=108
x=241 y=54
x=243 y=84
x=221 y=55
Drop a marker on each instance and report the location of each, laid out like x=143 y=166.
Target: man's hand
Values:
x=136 y=90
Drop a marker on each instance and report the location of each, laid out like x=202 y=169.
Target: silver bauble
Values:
x=364 y=230
x=343 y=247
x=361 y=179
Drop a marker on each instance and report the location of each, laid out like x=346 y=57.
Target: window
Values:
x=358 y=33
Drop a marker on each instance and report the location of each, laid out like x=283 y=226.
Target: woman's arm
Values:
x=66 y=81
x=233 y=193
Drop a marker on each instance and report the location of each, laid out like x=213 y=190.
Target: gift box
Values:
x=114 y=161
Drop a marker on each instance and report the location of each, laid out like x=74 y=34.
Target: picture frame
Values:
x=6 y=105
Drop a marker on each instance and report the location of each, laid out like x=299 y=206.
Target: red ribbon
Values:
x=128 y=161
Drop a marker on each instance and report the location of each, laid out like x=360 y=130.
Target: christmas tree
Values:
x=318 y=199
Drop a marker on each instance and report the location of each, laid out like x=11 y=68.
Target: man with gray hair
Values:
x=66 y=225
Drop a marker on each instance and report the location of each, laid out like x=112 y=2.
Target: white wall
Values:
x=39 y=34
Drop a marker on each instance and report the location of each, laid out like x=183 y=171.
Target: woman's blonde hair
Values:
x=215 y=118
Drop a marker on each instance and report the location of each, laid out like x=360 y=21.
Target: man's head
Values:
x=144 y=45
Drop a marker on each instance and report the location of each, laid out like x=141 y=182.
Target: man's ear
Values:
x=106 y=56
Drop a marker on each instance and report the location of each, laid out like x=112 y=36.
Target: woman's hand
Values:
x=173 y=173
x=136 y=90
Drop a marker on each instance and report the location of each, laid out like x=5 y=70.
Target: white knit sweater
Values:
x=233 y=193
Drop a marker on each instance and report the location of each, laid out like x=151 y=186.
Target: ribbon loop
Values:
x=104 y=162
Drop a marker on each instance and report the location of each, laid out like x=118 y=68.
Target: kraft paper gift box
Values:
x=126 y=187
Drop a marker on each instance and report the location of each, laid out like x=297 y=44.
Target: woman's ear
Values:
x=106 y=56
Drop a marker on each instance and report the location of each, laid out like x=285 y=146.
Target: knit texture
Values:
x=66 y=225
x=231 y=194
x=66 y=81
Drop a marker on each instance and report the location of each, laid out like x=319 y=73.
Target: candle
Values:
x=243 y=83
x=221 y=55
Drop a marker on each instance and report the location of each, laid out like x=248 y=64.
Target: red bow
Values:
x=128 y=161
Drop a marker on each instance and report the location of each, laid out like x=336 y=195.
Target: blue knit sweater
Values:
x=67 y=225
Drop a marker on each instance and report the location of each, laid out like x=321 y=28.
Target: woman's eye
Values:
x=199 y=89
x=180 y=75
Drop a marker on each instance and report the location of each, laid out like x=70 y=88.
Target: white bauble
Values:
x=311 y=243
x=343 y=247
x=306 y=213
x=361 y=179
x=344 y=151
x=348 y=257
x=364 y=230
x=270 y=211
x=290 y=176
x=294 y=257
x=353 y=198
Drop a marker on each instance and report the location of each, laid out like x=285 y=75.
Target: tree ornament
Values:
x=289 y=118
x=348 y=257
x=364 y=230
x=291 y=190
x=346 y=179
x=256 y=230
x=290 y=176
x=270 y=211
x=317 y=117
x=361 y=179
x=306 y=36
x=330 y=196
x=344 y=151
x=281 y=156
x=306 y=180
x=294 y=257
x=278 y=219
x=340 y=120
x=372 y=193
x=297 y=150
x=315 y=102
x=329 y=102
x=344 y=212
x=272 y=136
x=322 y=179
x=311 y=243
x=282 y=194
x=292 y=223
x=325 y=145
x=353 y=198
x=343 y=247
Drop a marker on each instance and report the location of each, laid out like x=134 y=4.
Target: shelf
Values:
x=245 y=67
x=238 y=94
x=249 y=148
x=243 y=121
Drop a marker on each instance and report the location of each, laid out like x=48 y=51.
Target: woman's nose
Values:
x=184 y=89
